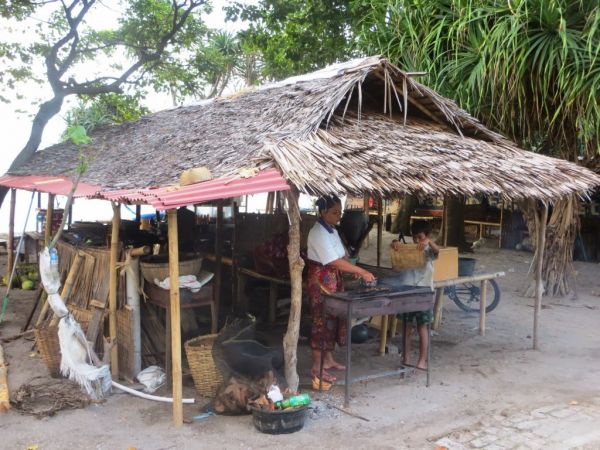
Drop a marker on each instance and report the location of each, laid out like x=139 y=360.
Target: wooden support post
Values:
x=482 y=307
x=539 y=282
x=10 y=244
x=234 y=258
x=290 y=340
x=218 y=260
x=438 y=308
x=501 y=220
x=383 y=335
x=379 y=229
x=4 y=393
x=112 y=292
x=49 y=214
x=175 y=313
x=138 y=213
x=445 y=222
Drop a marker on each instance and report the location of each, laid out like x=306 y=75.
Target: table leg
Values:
x=437 y=308
x=322 y=347
x=383 y=337
x=348 y=355
x=273 y=291
x=168 y=346
x=482 y=307
x=428 y=355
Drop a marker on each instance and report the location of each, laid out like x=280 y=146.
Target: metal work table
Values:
x=378 y=301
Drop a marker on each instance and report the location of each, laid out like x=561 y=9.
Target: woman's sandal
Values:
x=327 y=377
x=321 y=385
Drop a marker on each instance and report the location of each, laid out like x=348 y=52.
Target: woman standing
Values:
x=326 y=260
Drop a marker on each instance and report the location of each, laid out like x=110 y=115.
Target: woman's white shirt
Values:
x=324 y=247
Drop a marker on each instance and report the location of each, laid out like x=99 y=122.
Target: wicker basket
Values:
x=157 y=267
x=46 y=338
x=408 y=256
x=207 y=377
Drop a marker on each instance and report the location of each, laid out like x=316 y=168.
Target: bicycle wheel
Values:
x=466 y=296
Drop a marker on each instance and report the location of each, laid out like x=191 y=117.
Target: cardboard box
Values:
x=445 y=267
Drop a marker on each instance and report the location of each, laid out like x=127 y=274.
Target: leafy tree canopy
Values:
x=297 y=36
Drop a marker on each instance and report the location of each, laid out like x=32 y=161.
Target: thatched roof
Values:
x=327 y=133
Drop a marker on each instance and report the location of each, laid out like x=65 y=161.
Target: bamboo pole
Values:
x=539 y=285
x=49 y=214
x=65 y=293
x=290 y=340
x=112 y=292
x=218 y=262
x=47 y=237
x=175 y=318
x=10 y=244
x=379 y=229
x=383 y=334
x=4 y=392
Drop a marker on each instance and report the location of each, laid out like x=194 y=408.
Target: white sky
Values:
x=15 y=126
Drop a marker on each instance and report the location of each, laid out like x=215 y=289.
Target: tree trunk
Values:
x=46 y=112
x=561 y=231
x=402 y=219
x=455 y=222
x=290 y=340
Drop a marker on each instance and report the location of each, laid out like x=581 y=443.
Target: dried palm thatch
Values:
x=323 y=132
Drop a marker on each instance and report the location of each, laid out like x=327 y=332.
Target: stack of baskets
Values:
x=207 y=377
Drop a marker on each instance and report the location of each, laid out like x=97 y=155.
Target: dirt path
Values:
x=477 y=381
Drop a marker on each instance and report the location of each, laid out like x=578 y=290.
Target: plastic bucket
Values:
x=279 y=422
x=466 y=266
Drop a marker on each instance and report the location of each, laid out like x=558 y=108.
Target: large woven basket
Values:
x=157 y=267
x=207 y=377
x=46 y=337
x=408 y=256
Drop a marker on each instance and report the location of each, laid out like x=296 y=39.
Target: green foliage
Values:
x=104 y=109
x=528 y=68
x=77 y=135
x=297 y=36
x=152 y=34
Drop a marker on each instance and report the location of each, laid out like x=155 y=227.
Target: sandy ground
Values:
x=474 y=380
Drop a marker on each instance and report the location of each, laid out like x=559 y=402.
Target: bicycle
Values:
x=467 y=295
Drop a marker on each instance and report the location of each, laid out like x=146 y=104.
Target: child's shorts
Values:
x=421 y=317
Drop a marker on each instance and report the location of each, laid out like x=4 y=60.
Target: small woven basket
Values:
x=160 y=270
x=408 y=256
x=207 y=377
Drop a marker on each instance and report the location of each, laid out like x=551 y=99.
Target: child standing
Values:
x=420 y=230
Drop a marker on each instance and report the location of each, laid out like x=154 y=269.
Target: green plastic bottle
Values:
x=293 y=402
